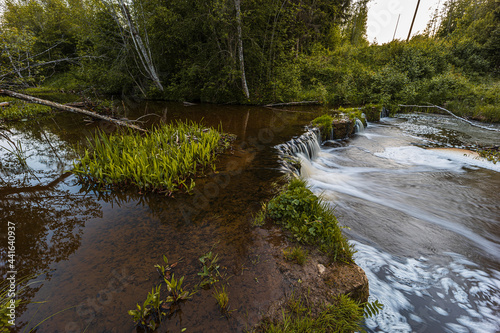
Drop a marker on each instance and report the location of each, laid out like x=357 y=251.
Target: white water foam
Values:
x=438 y=159
x=400 y=284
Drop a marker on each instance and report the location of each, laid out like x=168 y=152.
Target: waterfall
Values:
x=359 y=126
x=303 y=148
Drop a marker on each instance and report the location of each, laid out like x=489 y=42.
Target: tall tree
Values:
x=140 y=44
x=240 y=49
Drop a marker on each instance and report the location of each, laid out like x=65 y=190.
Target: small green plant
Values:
x=174 y=287
x=372 y=309
x=150 y=314
x=210 y=271
x=164 y=271
x=222 y=297
x=325 y=124
x=297 y=254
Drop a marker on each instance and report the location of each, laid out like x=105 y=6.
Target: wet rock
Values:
x=343 y=128
x=348 y=279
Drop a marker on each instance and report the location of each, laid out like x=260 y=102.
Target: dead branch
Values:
x=62 y=107
x=451 y=113
x=295 y=103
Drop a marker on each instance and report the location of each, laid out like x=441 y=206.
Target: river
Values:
x=425 y=222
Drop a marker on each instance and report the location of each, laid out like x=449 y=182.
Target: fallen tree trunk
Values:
x=4 y=104
x=62 y=107
x=451 y=113
x=294 y=103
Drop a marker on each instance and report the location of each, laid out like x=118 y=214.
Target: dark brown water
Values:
x=96 y=251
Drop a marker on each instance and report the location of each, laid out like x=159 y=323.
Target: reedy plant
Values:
x=222 y=297
x=165 y=159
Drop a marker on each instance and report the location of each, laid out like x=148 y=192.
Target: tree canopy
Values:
x=216 y=50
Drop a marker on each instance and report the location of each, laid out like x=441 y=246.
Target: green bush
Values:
x=325 y=124
x=310 y=220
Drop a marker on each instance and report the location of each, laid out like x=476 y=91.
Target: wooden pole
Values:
x=36 y=100
x=396 y=27
x=413 y=21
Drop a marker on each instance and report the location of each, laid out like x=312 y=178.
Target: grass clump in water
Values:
x=310 y=220
x=164 y=160
x=297 y=254
x=18 y=109
x=343 y=315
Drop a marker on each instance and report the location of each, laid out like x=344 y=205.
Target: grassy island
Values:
x=164 y=160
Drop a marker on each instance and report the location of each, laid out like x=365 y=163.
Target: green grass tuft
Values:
x=165 y=159
x=297 y=254
x=18 y=109
x=343 y=315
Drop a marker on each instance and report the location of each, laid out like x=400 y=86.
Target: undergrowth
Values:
x=325 y=124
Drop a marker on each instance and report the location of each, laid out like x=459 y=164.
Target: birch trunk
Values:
x=240 y=49
x=142 y=50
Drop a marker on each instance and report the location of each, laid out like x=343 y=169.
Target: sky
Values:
x=383 y=17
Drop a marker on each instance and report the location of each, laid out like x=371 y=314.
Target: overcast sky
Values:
x=383 y=16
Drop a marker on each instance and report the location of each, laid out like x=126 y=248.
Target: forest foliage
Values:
x=283 y=50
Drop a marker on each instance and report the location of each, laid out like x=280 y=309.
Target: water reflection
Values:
x=100 y=247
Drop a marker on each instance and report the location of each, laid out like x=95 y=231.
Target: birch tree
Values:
x=141 y=46
x=240 y=49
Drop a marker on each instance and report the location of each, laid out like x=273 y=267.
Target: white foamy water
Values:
x=438 y=159
x=425 y=223
x=458 y=296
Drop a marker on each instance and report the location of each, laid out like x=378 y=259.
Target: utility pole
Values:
x=396 y=27
x=413 y=21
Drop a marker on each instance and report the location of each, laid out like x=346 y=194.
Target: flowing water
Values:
x=425 y=222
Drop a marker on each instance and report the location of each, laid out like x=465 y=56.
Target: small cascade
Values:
x=359 y=127
x=297 y=150
x=385 y=113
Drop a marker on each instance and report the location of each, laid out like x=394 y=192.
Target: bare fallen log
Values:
x=451 y=113
x=62 y=107
x=4 y=104
x=295 y=103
